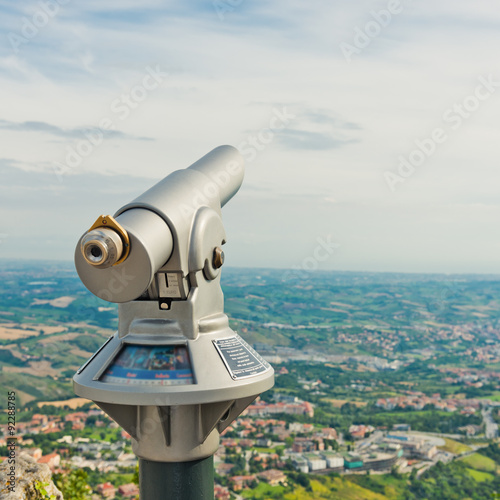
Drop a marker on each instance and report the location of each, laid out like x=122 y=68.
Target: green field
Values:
x=263 y=491
x=455 y=447
x=480 y=462
x=495 y=396
x=322 y=489
x=480 y=476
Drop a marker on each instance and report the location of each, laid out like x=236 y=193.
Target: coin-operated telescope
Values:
x=174 y=375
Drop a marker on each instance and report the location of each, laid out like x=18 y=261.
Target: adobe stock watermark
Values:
x=454 y=117
x=223 y=7
x=120 y=109
x=254 y=144
x=449 y=290
x=323 y=251
x=120 y=281
x=148 y=426
x=31 y=27
x=49 y=349
x=249 y=149
x=364 y=36
x=211 y=190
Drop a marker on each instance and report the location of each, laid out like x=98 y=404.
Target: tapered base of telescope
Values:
x=178 y=480
x=172 y=394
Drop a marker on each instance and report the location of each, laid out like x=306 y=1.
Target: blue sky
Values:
x=387 y=112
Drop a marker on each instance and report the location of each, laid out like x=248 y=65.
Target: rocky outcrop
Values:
x=30 y=478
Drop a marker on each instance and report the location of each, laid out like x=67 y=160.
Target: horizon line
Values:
x=305 y=271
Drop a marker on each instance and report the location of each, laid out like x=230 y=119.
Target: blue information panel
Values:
x=150 y=365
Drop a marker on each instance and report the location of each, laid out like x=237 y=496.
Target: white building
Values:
x=315 y=462
x=333 y=460
x=300 y=464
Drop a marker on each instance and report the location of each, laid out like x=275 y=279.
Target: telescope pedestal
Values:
x=177 y=480
x=175 y=375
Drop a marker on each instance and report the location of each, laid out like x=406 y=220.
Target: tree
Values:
x=135 y=479
x=413 y=475
x=90 y=422
x=74 y=484
x=395 y=473
x=302 y=480
x=333 y=443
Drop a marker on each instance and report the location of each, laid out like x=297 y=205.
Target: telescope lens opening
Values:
x=96 y=252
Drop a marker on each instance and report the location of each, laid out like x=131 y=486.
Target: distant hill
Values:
x=50 y=324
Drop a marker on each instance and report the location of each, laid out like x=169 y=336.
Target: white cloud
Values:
x=225 y=78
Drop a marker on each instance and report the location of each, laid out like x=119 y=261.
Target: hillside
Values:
x=50 y=324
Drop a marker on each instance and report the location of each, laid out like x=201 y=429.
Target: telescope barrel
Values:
x=211 y=181
x=224 y=166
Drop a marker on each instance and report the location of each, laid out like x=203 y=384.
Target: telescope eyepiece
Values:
x=102 y=247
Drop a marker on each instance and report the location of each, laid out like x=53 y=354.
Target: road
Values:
x=374 y=438
x=491 y=427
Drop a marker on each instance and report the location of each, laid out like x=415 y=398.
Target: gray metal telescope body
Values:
x=159 y=223
x=170 y=298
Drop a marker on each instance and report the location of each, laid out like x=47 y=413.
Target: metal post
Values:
x=177 y=480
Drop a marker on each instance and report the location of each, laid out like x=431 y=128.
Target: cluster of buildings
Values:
x=221 y=493
x=387 y=342
x=246 y=432
x=396 y=448
x=485 y=354
x=470 y=377
x=381 y=457
x=308 y=450
x=255 y=447
x=360 y=431
x=107 y=490
x=103 y=456
x=273 y=477
x=418 y=401
x=296 y=407
x=80 y=452
x=75 y=421
x=73 y=451
x=99 y=455
x=280 y=354
x=413 y=446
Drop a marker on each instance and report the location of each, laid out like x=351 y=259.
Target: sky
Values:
x=369 y=129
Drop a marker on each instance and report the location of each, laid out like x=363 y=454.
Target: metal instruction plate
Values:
x=240 y=359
